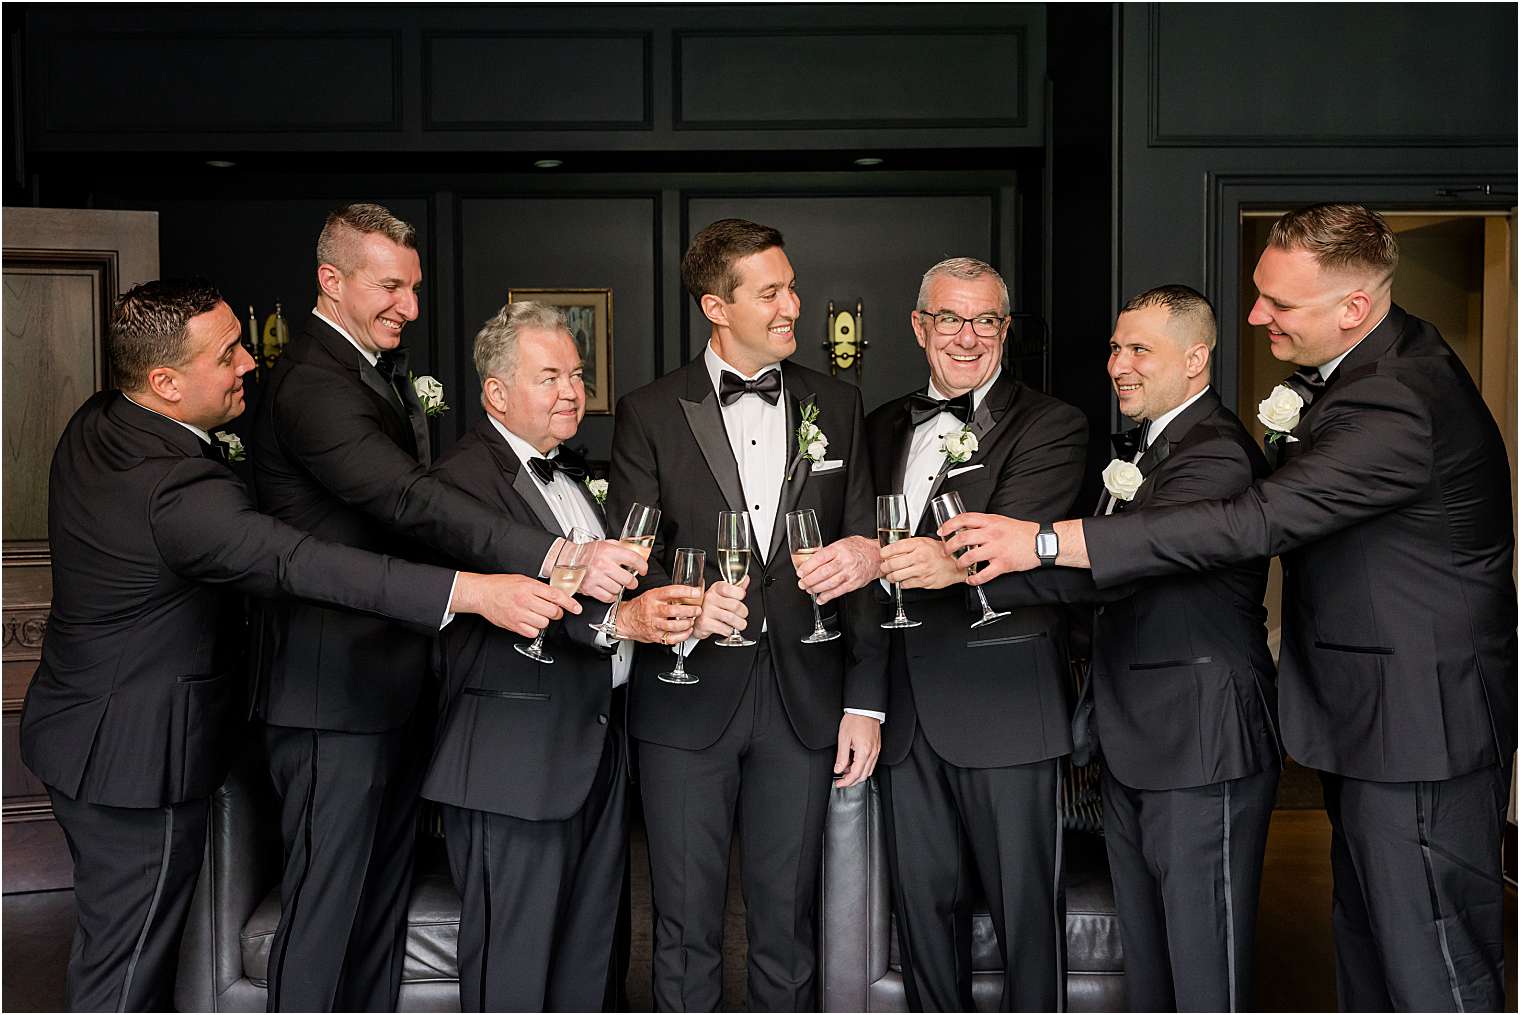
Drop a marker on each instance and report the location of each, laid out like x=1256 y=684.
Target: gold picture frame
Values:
x=590 y=314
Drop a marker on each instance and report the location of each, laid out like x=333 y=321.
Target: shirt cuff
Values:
x=543 y=571
x=448 y=614
x=603 y=639
x=880 y=717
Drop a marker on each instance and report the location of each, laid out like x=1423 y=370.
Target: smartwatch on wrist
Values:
x=1046 y=545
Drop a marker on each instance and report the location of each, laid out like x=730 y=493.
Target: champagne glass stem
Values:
x=902 y=616
x=817 y=616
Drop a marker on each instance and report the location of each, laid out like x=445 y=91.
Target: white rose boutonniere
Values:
x=959 y=445
x=1121 y=479
x=598 y=490
x=234 y=443
x=1279 y=413
x=430 y=394
x=812 y=443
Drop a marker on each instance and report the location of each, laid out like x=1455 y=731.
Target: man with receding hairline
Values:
x=1390 y=505
x=1181 y=695
x=341 y=448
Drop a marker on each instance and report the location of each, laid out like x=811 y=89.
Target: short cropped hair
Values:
x=1340 y=237
x=708 y=264
x=496 y=342
x=347 y=226
x=966 y=269
x=1183 y=303
x=149 y=325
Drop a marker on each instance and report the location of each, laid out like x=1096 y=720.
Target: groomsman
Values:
x=979 y=718
x=1182 y=690
x=1390 y=505
x=341 y=450
x=530 y=764
x=767 y=724
x=134 y=712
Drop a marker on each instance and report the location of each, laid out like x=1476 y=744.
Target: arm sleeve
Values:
x=865 y=674
x=634 y=478
x=207 y=530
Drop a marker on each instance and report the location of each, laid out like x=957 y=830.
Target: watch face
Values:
x=1046 y=545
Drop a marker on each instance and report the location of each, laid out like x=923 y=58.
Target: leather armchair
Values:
x=858 y=961
x=224 y=956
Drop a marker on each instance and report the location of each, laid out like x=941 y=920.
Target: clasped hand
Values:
x=840 y=568
x=999 y=543
x=920 y=563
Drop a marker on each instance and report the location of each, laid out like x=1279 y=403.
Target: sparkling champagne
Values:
x=886 y=537
x=567 y=578
x=640 y=545
x=733 y=564
x=802 y=554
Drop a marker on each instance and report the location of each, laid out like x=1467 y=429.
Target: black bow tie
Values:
x=924 y=407
x=732 y=387
x=1129 y=442
x=1308 y=382
x=565 y=462
x=391 y=364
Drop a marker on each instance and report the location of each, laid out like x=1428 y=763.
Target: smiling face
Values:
x=207 y=389
x=544 y=399
x=758 y=327
x=378 y=298
x=961 y=362
x=1311 y=316
x=1154 y=362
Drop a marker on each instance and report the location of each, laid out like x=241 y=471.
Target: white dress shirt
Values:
x=758 y=438
x=571 y=510
x=924 y=453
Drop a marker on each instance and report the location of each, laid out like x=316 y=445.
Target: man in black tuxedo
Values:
x=531 y=761
x=979 y=718
x=132 y=717
x=1390 y=506
x=767 y=724
x=1181 y=695
x=341 y=450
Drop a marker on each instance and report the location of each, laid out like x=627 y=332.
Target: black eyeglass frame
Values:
x=939 y=327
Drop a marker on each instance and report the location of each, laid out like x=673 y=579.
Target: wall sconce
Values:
x=846 y=344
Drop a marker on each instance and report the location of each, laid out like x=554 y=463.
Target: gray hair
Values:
x=966 y=269
x=496 y=342
x=341 y=233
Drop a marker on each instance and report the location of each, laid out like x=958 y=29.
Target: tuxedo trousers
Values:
x=1419 y=894
x=1186 y=867
x=779 y=789
x=948 y=828
x=540 y=899
x=348 y=815
x=134 y=876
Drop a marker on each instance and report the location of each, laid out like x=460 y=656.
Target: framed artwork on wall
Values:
x=590 y=315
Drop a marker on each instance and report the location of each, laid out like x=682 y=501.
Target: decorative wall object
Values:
x=590 y=316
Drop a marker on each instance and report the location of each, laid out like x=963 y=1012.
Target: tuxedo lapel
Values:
x=798 y=396
x=417 y=419
x=989 y=413
x=517 y=478
x=700 y=404
x=902 y=444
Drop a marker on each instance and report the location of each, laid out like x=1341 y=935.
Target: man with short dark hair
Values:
x=1390 y=506
x=979 y=719
x=761 y=731
x=1181 y=695
x=132 y=717
x=341 y=449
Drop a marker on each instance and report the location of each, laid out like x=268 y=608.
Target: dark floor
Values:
x=1295 y=970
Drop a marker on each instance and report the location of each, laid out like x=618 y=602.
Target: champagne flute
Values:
x=638 y=535
x=566 y=574
x=946 y=507
x=892 y=526
x=687 y=570
x=733 y=561
x=803 y=537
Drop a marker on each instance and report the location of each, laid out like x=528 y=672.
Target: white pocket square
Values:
x=828 y=465
x=963 y=468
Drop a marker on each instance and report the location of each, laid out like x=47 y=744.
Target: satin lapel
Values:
x=596 y=509
x=520 y=479
x=902 y=442
x=705 y=419
x=1159 y=451
x=374 y=382
x=986 y=417
x=798 y=395
x=417 y=419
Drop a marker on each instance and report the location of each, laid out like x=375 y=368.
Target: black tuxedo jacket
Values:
x=338 y=454
x=1392 y=516
x=670 y=450
x=1183 y=685
x=518 y=737
x=141 y=685
x=996 y=695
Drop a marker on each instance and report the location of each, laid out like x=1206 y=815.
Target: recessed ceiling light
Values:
x=547 y=164
x=868 y=161
x=220 y=163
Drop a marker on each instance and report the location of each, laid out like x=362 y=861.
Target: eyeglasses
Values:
x=946 y=323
